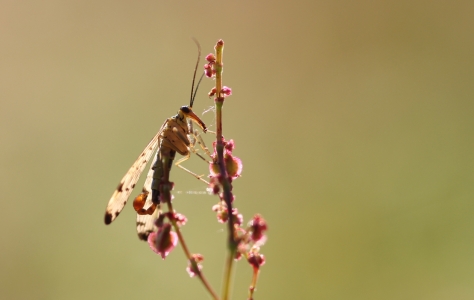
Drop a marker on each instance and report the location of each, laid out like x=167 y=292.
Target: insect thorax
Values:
x=174 y=135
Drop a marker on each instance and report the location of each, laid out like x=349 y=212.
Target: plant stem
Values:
x=228 y=275
x=254 y=282
x=227 y=194
x=220 y=140
x=166 y=190
x=189 y=255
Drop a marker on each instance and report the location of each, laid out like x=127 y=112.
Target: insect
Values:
x=174 y=136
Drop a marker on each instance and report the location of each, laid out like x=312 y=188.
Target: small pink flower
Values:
x=163 y=241
x=219 y=45
x=238 y=218
x=212 y=92
x=211 y=57
x=194 y=267
x=223 y=214
x=230 y=145
x=243 y=246
x=221 y=210
x=255 y=259
x=215 y=185
x=227 y=91
x=237 y=256
x=209 y=70
x=181 y=219
x=258 y=226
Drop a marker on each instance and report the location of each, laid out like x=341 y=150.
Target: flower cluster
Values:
x=209 y=69
x=251 y=237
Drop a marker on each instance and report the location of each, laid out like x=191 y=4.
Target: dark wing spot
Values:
x=108 y=218
x=120 y=186
x=143 y=236
x=133 y=186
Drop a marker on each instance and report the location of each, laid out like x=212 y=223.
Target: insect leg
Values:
x=178 y=164
x=197 y=138
x=194 y=136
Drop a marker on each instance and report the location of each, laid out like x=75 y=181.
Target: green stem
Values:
x=227 y=275
x=220 y=142
x=254 y=282
x=219 y=100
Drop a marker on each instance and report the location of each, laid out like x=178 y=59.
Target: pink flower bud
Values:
x=230 y=145
x=180 y=219
x=258 y=226
x=227 y=91
x=256 y=259
x=209 y=70
x=208 y=73
x=212 y=92
x=221 y=212
x=211 y=57
x=220 y=44
x=237 y=256
x=238 y=218
x=215 y=185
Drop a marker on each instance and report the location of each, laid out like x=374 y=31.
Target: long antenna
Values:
x=191 y=101
x=197 y=86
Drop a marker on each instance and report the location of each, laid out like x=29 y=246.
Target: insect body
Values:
x=171 y=138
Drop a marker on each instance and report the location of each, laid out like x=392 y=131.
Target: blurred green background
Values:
x=354 y=121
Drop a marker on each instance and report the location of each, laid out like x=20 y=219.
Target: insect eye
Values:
x=185 y=109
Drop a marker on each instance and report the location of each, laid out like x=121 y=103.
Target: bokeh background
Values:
x=354 y=120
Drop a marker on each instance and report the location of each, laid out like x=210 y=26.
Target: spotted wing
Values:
x=146 y=223
x=126 y=185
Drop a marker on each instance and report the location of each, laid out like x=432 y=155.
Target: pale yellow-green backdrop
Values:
x=354 y=120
